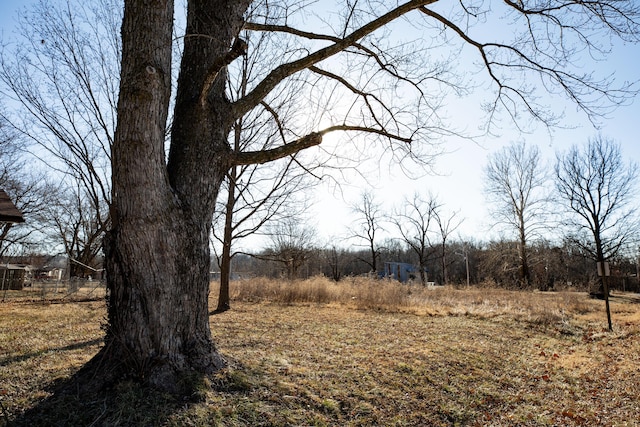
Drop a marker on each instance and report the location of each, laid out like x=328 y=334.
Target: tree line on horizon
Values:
x=492 y=263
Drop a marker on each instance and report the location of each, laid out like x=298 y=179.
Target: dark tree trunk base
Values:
x=221 y=308
x=106 y=392
x=108 y=368
x=598 y=293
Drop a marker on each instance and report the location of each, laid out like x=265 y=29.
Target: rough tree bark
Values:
x=157 y=254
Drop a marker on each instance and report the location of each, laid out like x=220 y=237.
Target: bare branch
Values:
x=283 y=71
x=582 y=89
x=311 y=140
x=239 y=48
x=356 y=91
x=360 y=48
x=264 y=156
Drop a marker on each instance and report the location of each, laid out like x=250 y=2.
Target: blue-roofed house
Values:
x=401 y=271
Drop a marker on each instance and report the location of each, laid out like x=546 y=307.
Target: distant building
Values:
x=8 y=211
x=401 y=271
x=13 y=276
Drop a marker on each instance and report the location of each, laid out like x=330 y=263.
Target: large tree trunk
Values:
x=157 y=253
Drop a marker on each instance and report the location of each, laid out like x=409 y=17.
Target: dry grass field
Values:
x=355 y=353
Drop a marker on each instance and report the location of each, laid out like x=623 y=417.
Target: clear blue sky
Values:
x=459 y=185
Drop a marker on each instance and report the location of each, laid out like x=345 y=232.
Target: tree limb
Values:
x=253 y=98
x=366 y=51
x=239 y=48
x=264 y=156
x=310 y=140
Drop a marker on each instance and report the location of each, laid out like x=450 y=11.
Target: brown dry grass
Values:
x=357 y=353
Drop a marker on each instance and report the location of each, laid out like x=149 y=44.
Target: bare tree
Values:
x=73 y=222
x=157 y=251
x=29 y=191
x=292 y=245
x=516 y=184
x=334 y=258
x=414 y=223
x=447 y=224
x=499 y=262
x=62 y=73
x=255 y=197
x=256 y=194
x=598 y=187
x=368 y=225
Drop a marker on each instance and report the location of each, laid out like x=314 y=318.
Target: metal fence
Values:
x=74 y=289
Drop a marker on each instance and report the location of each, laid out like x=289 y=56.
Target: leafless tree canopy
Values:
x=598 y=188
x=73 y=221
x=368 y=224
x=61 y=75
x=388 y=70
x=292 y=244
x=519 y=195
x=28 y=189
x=415 y=220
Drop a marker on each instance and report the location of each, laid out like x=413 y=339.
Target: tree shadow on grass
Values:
x=128 y=403
x=91 y=398
x=626 y=298
x=5 y=361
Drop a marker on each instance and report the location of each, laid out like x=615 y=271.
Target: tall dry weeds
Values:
x=362 y=292
x=388 y=295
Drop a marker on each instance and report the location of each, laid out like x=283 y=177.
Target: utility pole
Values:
x=466 y=261
x=465 y=255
